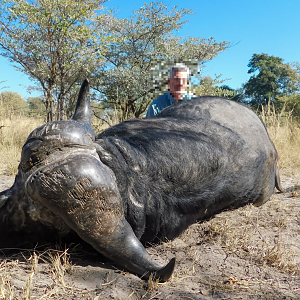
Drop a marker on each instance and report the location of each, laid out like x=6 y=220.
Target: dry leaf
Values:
x=204 y=292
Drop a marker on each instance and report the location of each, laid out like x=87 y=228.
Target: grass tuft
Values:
x=6 y=288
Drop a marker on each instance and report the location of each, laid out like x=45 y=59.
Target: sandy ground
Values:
x=249 y=253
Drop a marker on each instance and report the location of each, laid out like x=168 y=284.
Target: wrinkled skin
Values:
x=140 y=181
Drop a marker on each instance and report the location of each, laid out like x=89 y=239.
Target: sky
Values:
x=256 y=26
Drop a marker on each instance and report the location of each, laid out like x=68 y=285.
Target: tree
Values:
x=210 y=87
x=274 y=79
x=240 y=96
x=296 y=66
x=36 y=106
x=12 y=103
x=55 y=42
x=288 y=106
x=140 y=55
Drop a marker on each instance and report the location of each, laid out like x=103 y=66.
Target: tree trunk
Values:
x=61 y=105
x=62 y=93
x=49 y=105
x=268 y=106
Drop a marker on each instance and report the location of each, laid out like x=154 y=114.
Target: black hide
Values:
x=195 y=159
x=144 y=179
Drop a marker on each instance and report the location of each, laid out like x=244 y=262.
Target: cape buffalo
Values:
x=139 y=181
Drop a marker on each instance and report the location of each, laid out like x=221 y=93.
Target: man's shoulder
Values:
x=162 y=97
x=158 y=104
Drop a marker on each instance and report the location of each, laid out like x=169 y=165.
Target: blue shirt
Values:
x=162 y=102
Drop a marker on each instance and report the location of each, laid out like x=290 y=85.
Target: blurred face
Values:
x=178 y=84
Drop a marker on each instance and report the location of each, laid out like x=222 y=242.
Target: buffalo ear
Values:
x=83 y=108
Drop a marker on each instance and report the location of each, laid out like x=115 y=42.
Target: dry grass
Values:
x=14 y=131
x=6 y=288
x=260 y=235
x=13 y=134
x=285 y=133
x=31 y=270
x=60 y=265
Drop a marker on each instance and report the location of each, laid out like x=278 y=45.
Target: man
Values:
x=177 y=81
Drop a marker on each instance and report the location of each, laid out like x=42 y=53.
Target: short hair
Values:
x=179 y=67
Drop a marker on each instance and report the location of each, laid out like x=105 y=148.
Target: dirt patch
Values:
x=249 y=253
x=6 y=182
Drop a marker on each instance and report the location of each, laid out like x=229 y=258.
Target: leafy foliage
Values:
x=36 y=107
x=274 y=79
x=54 y=42
x=143 y=49
x=59 y=43
x=210 y=86
x=290 y=105
x=12 y=104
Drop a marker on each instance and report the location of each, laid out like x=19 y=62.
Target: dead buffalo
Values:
x=141 y=180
